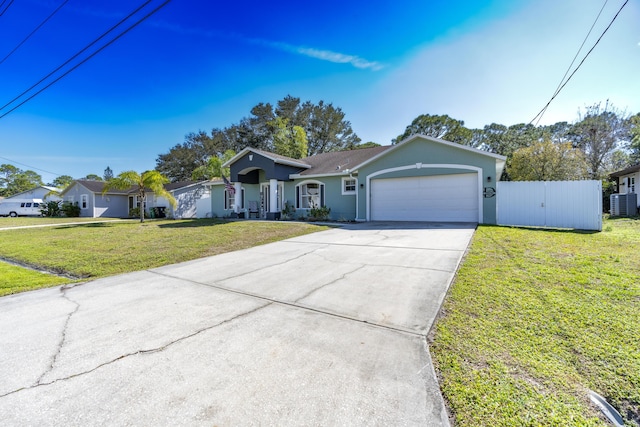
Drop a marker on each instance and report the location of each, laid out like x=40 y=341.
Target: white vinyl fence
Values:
x=563 y=204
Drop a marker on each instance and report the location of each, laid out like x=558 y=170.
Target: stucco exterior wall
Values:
x=428 y=153
x=343 y=207
x=111 y=206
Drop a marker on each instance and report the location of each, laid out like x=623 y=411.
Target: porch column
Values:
x=273 y=195
x=238 y=197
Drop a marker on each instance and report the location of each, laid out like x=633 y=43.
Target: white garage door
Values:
x=448 y=198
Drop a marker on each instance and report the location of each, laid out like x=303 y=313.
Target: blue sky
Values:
x=203 y=64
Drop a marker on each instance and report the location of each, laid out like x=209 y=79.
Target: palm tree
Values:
x=149 y=181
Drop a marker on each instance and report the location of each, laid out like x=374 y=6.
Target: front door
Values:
x=264 y=200
x=265 y=203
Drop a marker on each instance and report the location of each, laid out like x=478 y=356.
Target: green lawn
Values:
x=534 y=319
x=16 y=279
x=103 y=249
x=38 y=220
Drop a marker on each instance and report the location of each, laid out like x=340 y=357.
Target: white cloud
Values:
x=323 y=55
x=340 y=58
x=505 y=72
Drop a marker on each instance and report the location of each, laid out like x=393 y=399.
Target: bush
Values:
x=289 y=211
x=52 y=208
x=319 y=213
x=134 y=213
x=71 y=210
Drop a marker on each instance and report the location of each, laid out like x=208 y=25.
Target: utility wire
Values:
x=5 y=9
x=33 y=32
x=76 y=55
x=581 y=62
x=30 y=167
x=572 y=62
x=88 y=57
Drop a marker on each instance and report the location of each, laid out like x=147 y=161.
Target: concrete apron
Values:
x=324 y=329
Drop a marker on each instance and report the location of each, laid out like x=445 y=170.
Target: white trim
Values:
x=432 y=166
x=319 y=175
x=264 y=154
x=342 y=185
x=225 y=193
x=429 y=138
x=321 y=186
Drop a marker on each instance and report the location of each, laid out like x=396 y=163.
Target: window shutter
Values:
x=298 y=197
x=321 y=195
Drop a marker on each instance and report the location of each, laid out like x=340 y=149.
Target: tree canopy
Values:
x=443 y=127
x=62 y=181
x=14 y=180
x=599 y=132
x=546 y=161
x=213 y=168
x=604 y=137
x=291 y=128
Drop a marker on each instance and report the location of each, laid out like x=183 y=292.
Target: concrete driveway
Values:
x=324 y=329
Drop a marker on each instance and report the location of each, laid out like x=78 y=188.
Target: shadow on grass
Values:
x=190 y=223
x=90 y=225
x=544 y=229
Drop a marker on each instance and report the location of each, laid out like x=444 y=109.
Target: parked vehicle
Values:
x=20 y=207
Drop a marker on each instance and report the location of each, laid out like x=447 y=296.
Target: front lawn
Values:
x=103 y=249
x=22 y=221
x=16 y=279
x=534 y=319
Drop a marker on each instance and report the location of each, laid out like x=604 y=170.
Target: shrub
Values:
x=320 y=213
x=134 y=213
x=71 y=210
x=289 y=211
x=51 y=208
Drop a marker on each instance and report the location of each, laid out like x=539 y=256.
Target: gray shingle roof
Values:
x=338 y=161
x=97 y=186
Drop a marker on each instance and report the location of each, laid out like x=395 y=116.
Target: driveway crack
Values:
x=138 y=352
x=330 y=283
x=63 y=335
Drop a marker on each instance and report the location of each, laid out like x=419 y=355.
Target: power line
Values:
x=76 y=55
x=34 y=30
x=87 y=58
x=5 y=9
x=572 y=61
x=30 y=167
x=581 y=62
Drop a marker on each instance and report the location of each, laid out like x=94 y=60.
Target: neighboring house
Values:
x=43 y=192
x=419 y=179
x=628 y=181
x=117 y=203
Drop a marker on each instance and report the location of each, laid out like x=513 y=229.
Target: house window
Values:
x=632 y=184
x=84 y=201
x=230 y=199
x=309 y=195
x=349 y=185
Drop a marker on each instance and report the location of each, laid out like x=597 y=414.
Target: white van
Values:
x=20 y=207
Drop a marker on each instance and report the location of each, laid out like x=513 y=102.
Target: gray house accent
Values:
x=117 y=203
x=419 y=179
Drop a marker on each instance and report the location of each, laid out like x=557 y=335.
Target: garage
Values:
x=441 y=198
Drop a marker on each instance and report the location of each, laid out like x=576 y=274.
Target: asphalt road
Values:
x=324 y=329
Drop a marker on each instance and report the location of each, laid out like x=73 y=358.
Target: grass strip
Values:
x=534 y=319
x=15 y=279
x=104 y=249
